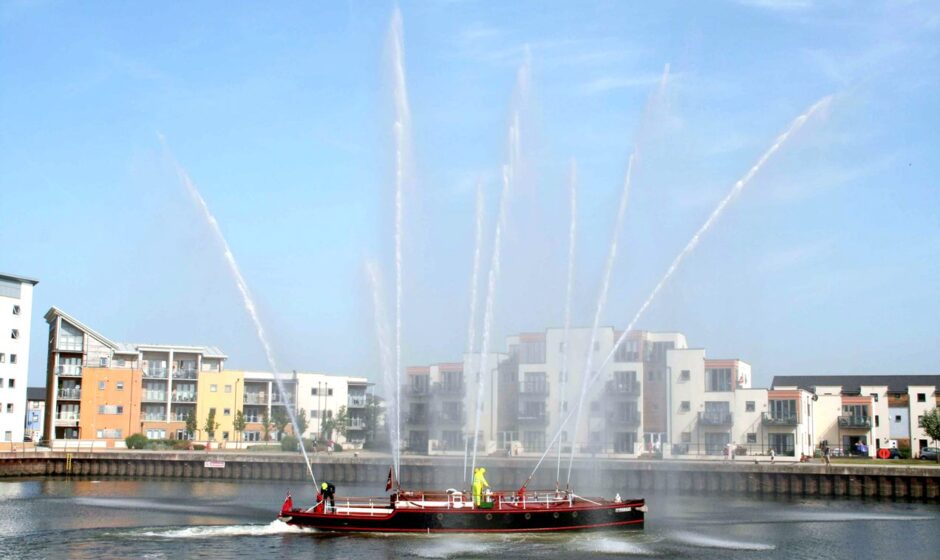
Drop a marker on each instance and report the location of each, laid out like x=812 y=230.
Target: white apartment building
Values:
x=533 y=388
x=16 y=310
x=322 y=396
x=867 y=412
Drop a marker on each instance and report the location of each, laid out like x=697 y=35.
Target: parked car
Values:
x=929 y=453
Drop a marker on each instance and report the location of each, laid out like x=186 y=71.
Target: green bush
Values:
x=136 y=441
x=337 y=447
x=289 y=443
x=309 y=445
x=199 y=447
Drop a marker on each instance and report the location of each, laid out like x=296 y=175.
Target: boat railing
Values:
x=457 y=500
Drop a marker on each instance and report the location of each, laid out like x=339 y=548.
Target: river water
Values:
x=114 y=518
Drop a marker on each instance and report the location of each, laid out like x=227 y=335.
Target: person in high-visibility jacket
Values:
x=479 y=483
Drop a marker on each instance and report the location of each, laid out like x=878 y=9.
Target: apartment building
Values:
x=536 y=385
x=867 y=412
x=323 y=396
x=35 y=413
x=16 y=311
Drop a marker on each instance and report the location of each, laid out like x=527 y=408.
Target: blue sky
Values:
x=827 y=262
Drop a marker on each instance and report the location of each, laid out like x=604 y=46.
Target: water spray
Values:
x=474 y=282
x=572 y=230
x=385 y=356
x=242 y=285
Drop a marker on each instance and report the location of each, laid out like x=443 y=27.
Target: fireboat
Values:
x=453 y=511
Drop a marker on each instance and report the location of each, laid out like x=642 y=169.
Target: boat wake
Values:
x=608 y=545
x=706 y=541
x=211 y=531
x=452 y=548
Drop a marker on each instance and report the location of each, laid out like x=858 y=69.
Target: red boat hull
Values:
x=505 y=519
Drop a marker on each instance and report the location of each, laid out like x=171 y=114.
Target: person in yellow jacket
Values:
x=479 y=483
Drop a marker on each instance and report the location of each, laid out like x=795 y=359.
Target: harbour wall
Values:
x=906 y=482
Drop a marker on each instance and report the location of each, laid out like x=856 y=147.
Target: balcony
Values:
x=855 y=422
x=256 y=398
x=534 y=388
x=356 y=401
x=69 y=371
x=715 y=418
x=69 y=345
x=69 y=394
x=252 y=419
x=533 y=419
x=416 y=418
x=184 y=397
x=153 y=396
x=155 y=373
x=449 y=388
x=67 y=418
x=624 y=418
x=282 y=399
x=153 y=417
x=623 y=387
x=356 y=424
x=177 y=417
x=770 y=420
x=184 y=374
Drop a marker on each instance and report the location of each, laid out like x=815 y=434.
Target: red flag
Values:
x=388 y=483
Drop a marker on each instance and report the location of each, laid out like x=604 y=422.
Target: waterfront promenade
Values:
x=888 y=480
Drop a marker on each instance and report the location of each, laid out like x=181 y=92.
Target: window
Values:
x=101 y=385
x=213 y=388
x=718 y=379
x=313 y=391
x=228 y=388
x=921 y=397
x=897 y=418
x=226 y=412
x=103 y=361
x=121 y=362
x=7 y=436
x=314 y=413
x=685 y=375
x=119 y=385
x=877 y=421
x=16 y=309
x=874 y=396
x=1 y=383
x=685 y=437
x=3 y=357
x=329 y=392
x=782 y=409
x=10 y=407
x=15 y=333
x=111 y=409
x=685 y=406
x=109 y=434
x=749 y=406
x=12 y=358
x=225 y=436
x=11 y=383
x=752 y=438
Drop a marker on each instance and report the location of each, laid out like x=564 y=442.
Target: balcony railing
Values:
x=624 y=418
x=70 y=394
x=533 y=387
x=417 y=419
x=67 y=418
x=356 y=401
x=256 y=398
x=253 y=419
x=770 y=420
x=282 y=399
x=184 y=397
x=177 y=417
x=356 y=424
x=449 y=388
x=65 y=345
x=537 y=419
x=861 y=422
x=151 y=417
x=416 y=391
x=154 y=396
x=715 y=418
x=623 y=387
x=155 y=373
x=69 y=370
x=184 y=374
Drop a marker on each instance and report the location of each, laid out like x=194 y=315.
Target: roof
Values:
x=853 y=383
x=32 y=281
x=133 y=347
x=35 y=393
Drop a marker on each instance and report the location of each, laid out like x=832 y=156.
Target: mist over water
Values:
x=389 y=379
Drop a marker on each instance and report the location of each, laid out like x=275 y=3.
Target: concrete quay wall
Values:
x=783 y=479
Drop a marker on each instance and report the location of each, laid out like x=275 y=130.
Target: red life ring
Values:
x=884 y=454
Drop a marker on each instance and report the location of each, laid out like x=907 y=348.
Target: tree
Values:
x=337 y=423
x=266 y=424
x=374 y=411
x=302 y=423
x=211 y=425
x=239 y=424
x=281 y=420
x=930 y=422
x=191 y=425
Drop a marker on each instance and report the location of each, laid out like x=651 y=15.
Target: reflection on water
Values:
x=212 y=519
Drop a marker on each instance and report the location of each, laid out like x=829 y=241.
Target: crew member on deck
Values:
x=329 y=493
x=479 y=482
